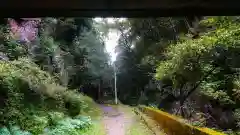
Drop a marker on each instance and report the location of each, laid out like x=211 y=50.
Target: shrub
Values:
x=4 y=131
x=73 y=103
x=54 y=117
x=13 y=49
x=69 y=126
x=19 y=81
x=89 y=107
x=29 y=96
x=15 y=130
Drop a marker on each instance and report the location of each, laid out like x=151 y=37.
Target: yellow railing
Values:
x=172 y=126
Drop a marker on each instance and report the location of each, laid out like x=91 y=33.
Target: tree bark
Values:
x=99 y=91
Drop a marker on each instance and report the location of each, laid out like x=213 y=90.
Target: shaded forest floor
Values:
x=121 y=120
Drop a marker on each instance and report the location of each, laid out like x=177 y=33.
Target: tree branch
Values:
x=196 y=86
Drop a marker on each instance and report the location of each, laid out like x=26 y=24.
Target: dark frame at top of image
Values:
x=117 y=8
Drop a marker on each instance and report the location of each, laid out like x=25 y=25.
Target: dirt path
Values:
x=115 y=121
x=118 y=120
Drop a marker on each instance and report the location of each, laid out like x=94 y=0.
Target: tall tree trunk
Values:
x=99 y=90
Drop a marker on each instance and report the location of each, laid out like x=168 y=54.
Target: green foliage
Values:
x=54 y=117
x=67 y=50
x=30 y=93
x=181 y=56
x=63 y=126
x=13 y=49
x=208 y=64
x=187 y=61
x=44 y=53
x=205 y=66
x=140 y=48
x=17 y=131
x=4 y=131
x=20 y=81
x=91 y=44
x=97 y=128
x=72 y=49
x=73 y=103
x=237 y=116
x=211 y=89
x=90 y=58
x=69 y=126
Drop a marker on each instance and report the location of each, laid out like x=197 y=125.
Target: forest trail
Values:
x=121 y=120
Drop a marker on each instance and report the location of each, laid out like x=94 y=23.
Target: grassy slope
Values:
x=137 y=126
x=96 y=129
x=31 y=94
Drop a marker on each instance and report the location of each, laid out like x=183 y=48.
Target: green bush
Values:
x=4 y=131
x=69 y=126
x=54 y=117
x=12 y=49
x=63 y=126
x=19 y=81
x=30 y=96
x=72 y=102
x=89 y=107
x=14 y=130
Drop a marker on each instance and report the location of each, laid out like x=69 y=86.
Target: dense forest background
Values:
x=187 y=66
x=45 y=64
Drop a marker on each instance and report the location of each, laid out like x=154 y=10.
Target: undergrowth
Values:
x=31 y=100
x=65 y=126
x=97 y=128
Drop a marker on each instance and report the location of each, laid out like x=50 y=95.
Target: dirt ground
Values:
x=120 y=120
